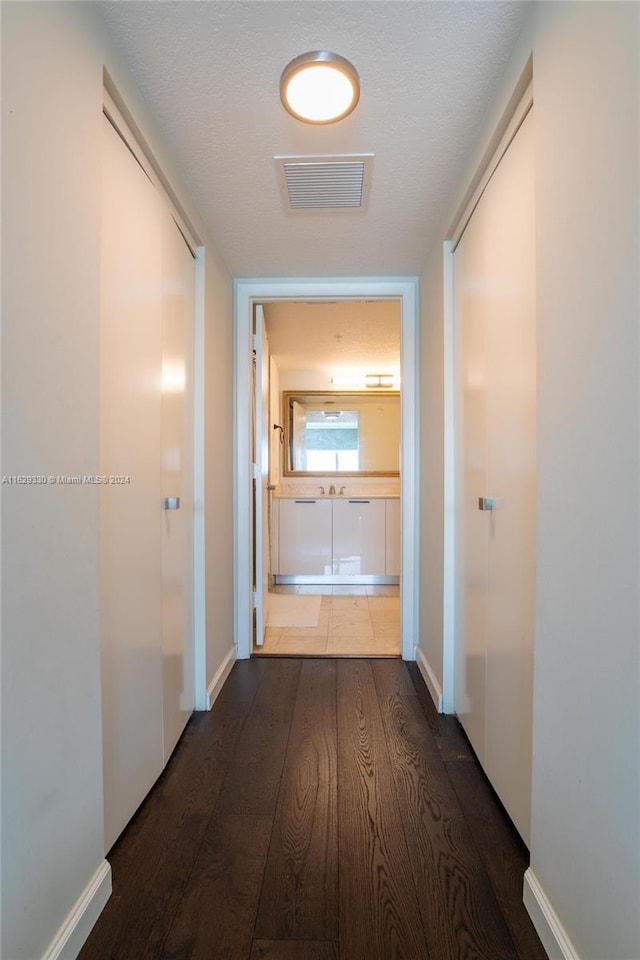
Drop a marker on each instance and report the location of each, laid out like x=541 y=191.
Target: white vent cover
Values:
x=339 y=182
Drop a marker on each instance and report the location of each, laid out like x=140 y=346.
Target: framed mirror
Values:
x=341 y=434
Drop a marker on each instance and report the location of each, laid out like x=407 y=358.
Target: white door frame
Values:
x=248 y=292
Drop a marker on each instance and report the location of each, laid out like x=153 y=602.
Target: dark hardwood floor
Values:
x=321 y=811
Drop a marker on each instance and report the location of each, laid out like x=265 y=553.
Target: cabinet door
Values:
x=305 y=537
x=274 y=534
x=358 y=537
x=509 y=280
x=392 y=564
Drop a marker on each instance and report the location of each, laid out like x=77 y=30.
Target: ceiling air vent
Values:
x=338 y=182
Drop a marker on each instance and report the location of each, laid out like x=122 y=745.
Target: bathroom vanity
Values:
x=336 y=539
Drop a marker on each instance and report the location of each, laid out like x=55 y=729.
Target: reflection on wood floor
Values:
x=358 y=621
x=322 y=810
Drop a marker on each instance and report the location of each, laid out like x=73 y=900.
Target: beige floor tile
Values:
x=270 y=642
x=354 y=621
x=350 y=606
x=350 y=646
x=350 y=627
x=386 y=616
x=384 y=605
x=338 y=621
x=303 y=634
x=386 y=630
x=387 y=647
x=320 y=631
x=302 y=645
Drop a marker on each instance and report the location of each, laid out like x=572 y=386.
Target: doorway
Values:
x=248 y=295
x=328 y=401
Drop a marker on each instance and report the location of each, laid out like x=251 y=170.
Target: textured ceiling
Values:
x=331 y=337
x=209 y=72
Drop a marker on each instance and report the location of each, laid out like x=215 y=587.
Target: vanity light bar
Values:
x=379 y=380
x=376 y=381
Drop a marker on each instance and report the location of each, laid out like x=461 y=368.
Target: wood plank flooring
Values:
x=321 y=811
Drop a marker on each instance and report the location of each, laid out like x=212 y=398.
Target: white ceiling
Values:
x=209 y=72
x=334 y=337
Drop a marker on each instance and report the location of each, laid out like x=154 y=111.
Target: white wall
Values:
x=52 y=816
x=585 y=826
x=432 y=464
x=275 y=416
x=218 y=462
x=52 y=827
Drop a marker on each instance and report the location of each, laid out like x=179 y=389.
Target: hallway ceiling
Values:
x=209 y=73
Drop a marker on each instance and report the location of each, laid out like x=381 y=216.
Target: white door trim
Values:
x=201 y=698
x=247 y=292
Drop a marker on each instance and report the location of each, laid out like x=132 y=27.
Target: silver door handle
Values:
x=486 y=503
x=172 y=503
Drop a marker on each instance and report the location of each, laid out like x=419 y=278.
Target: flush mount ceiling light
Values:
x=319 y=87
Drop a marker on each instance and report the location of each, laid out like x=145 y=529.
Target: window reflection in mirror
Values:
x=352 y=434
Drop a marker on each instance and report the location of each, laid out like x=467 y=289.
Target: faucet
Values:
x=322 y=491
x=342 y=490
x=332 y=490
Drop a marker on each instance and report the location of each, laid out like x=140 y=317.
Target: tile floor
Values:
x=358 y=621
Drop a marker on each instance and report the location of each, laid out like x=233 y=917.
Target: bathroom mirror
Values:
x=342 y=434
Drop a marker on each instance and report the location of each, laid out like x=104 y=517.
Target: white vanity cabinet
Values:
x=358 y=536
x=305 y=537
x=346 y=539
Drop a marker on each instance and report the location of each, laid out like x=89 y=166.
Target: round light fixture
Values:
x=319 y=87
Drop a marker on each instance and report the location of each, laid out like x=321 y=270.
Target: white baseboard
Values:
x=429 y=677
x=220 y=676
x=76 y=928
x=546 y=921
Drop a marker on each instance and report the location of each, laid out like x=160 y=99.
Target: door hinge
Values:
x=254 y=599
x=254 y=471
x=254 y=342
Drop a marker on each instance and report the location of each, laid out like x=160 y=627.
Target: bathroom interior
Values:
x=329 y=388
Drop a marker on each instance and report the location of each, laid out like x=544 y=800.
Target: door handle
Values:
x=486 y=503
x=172 y=503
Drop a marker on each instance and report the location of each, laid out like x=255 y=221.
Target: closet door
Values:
x=130 y=530
x=494 y=276
x=470 y=685
x=511 y=400
x=146 y=577
x=178 y=279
